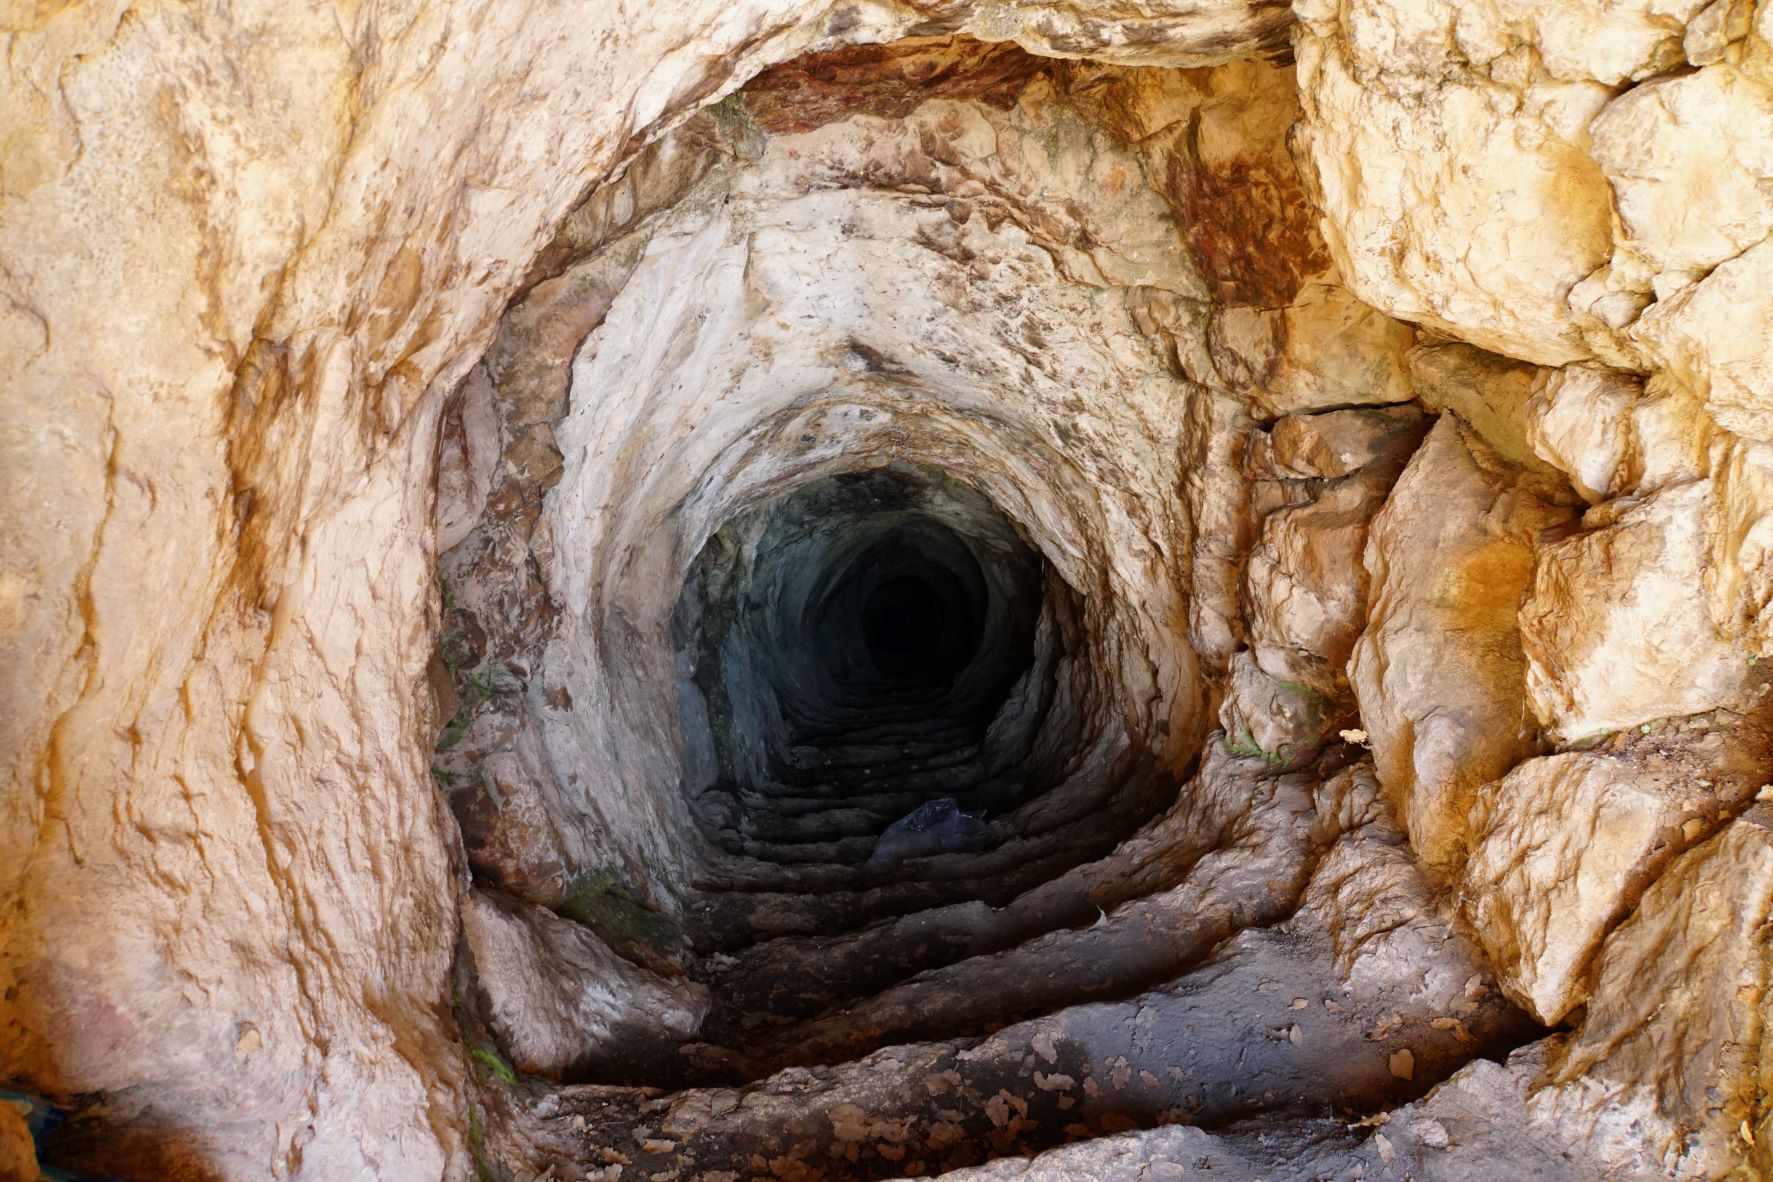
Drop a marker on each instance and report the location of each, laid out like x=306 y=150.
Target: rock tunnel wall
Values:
x=1147 y=287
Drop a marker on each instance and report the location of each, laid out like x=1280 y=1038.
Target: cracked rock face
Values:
x=823 y=591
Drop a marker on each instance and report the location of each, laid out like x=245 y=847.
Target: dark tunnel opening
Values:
x=854 y=645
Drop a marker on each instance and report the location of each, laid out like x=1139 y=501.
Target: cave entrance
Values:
x=851 y=649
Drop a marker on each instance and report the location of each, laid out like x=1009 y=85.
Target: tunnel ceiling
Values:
x=996 y=591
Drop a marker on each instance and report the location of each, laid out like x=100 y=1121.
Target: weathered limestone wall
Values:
x=246 y=251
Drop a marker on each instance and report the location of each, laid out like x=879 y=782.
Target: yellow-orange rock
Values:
x=1438 y=672
x=1563 y=845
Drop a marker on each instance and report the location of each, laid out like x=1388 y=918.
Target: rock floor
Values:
x=1248 y=984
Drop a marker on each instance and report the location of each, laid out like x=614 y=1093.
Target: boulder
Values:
x=1325 y=349
x=1305 y=588
x=1615 y=630
x=1679 y=1014
x=1739 y=540
x=1712 y=338
x=1281 y=722
x=1460 y=199
x=558 y=999
x=1688 y=157
x=18 y=1151
x=1318 y=481
x=1339 y=443
x=1438 y=672
x=1563 y=845
x=1490 y=394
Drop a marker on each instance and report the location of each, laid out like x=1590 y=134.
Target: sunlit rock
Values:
x=1613 y=632
x=1448 y=557
x=505 y=511
x=1562 y=847
x=1678 y=1023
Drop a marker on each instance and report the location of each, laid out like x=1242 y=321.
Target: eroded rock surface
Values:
x=1449 y=557
x=1563 y=846
x=1678 y=1025
x=560 y=1000
x=1613 y=633
x=383 y=385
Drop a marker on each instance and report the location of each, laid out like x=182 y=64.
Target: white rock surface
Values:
x=1712 y=338
x=1689 y=161
x=1562 y=847
x=1677 y=1029
x=1579 y=420
x=1323 y=351
x=250 y=251
x=560 y=1000
x=1453 y=197
x=1613 y=632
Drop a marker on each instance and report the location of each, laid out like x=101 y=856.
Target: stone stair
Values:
x=1263 y=947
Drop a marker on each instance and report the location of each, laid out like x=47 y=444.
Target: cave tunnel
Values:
x=986 y=591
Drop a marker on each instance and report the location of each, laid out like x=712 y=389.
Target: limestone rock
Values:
x=1217 y=490
x=1563 y=845
x=517 y=833
x=1739 y=539
x=1487 y=1122
x=1613 y=631
x=1489 y=393
x=1679 y=1015
x=18 y=1152
x=1463 y=202
x=559 y=999
x=1281 y=722
x=1324 y=350
x=1320 y=480
x=1712 y=337
x=1373 y=899
x=466 y=456
x=1580 y=421
x=1611 y=41
x=1214 y=144
x=1160 y=33
x=1340 y=443
x=281 y=284
x=1305 y=588
x=1689 y=160
x=1438 y=672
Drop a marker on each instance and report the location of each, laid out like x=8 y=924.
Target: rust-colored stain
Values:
x=888 y=81
x=1250 y=226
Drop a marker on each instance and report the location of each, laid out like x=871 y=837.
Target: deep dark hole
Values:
x=854 y=640
x=904 y=622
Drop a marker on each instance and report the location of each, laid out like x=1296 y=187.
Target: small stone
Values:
x=1402 y=1064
